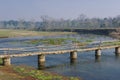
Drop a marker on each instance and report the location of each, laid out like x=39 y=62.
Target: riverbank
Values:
x=8 y=33
x=80 y=69
x=29 y=73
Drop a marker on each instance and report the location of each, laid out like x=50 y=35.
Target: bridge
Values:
x=6 y=58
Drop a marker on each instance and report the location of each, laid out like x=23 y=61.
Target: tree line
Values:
x=47 y=23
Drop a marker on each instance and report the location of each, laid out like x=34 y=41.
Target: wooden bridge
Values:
x=41 y=54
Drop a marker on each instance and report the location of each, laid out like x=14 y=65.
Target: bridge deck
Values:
x=51 y=52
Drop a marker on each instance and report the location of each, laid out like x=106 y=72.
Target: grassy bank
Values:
x=4 y=33
x=111 y=43
x=28 y=73
x=56 y=41
x=41 y=75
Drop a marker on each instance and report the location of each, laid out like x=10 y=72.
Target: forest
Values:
x=47 y=23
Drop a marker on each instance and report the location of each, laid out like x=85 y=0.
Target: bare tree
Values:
x=116 y=33
x=32 y=25
x=21 y=24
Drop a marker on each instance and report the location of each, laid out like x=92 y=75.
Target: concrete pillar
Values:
x=41 y=61
x=73 y=55
x=6 y=61
x=98 y=52
x=117 y=51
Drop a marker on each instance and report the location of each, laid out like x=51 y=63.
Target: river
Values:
x=86 y=66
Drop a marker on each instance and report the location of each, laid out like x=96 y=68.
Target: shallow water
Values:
x=86 y=66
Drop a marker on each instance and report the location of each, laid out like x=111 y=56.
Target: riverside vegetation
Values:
x=58 y=41
x=29 y=73
x=41 y=75
x=111 y=43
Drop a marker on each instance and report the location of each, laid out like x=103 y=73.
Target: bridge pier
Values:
x=98 y=52
x=117 y=51
x=41 y=61
x=73 y=57
x=6 y=61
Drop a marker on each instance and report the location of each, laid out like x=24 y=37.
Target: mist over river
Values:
x=107 y=67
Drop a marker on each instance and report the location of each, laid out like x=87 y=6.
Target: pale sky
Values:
x=68 y=9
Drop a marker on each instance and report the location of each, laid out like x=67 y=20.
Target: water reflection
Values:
x=57 y=66
x=117 y=58
x=97 y=58
x=117 y=54
x=73 y=61
x=41 y=66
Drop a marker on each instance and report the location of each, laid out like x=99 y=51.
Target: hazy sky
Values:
x=33 y=9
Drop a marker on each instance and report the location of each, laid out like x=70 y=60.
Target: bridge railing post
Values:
x=41 y=61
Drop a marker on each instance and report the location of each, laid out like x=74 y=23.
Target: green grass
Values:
x=1 y=61
x=41 y=75
x=56 y=41
x=89 y=41
x=4 y=33
x=111 y=43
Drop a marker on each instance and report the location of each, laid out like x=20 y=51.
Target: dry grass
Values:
x=24 y=33
x=6 y=73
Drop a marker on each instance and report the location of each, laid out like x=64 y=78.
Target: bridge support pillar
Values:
x=73 y=57
x=117 y=51
x=97 y=52
x=41 y=61
x=6 y=61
